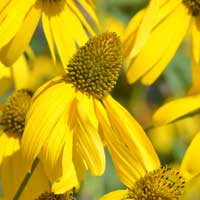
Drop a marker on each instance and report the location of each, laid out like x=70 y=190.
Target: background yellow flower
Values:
x=65 y=24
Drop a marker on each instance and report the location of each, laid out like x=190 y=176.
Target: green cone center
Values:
x=161 y=184
x=14 y=112
x=193 y=5
x=94 y=69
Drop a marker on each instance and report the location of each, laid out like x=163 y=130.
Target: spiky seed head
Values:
x=95 y=68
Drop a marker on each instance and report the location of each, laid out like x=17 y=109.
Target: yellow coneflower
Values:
x=12 y=168
x=8 y=75
x=66 y=114
x=152 y=37
x=22 y=74
x=65 y=24
x=28 y=73
x=160 y=182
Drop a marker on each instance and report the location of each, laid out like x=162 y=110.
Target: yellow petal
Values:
x=48 y=34
x=159 y=67
x=11 y=52
x=115 y=195
x=53 y=146
x=14 y=19
x=84 y=102
x=145 y=27
x=190 y=165
x=129 y=37
x=69 y=178
x=80 y=165
x=131 y=133
x=175 y=109
x=42 y=117
x=65 y=45
x=21 y=73
x=89 y=10
x=195 y=51
x=89 y=142
x=61 y=135
x=129 y=168
x=71 y=20
x=13 y=172
x=72 y=5
x=9 y=143
x=157 y=44
x=195 y=39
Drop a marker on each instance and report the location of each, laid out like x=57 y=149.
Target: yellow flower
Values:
x=161 y=182
x=152 y=37
x=65 y=24
x=66 y=114
x=8 y=75
x=28 y=73
x=12 y=168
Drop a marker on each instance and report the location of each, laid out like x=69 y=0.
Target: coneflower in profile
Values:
x=68 y=113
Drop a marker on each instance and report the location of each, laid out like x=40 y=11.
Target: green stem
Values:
x=26 y=179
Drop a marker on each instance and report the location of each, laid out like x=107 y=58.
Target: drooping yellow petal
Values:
x=70 y=20
x=60 y=136
x=129 y=36
x=163 y=12
x=145 y=27
x=80 y=165
x=190 y=165
x=195 y=39
x=14 y=19
x=90 y=12
x=89 y=142
x=69 y=178
x=159 y=67
x=13 y=172
x=21 y=73
x=9 y=143
x=11 y=52
x=73 y=7
x=131 y=133
x=48 y=34
x=115 y=195
x=65 y=45
x=43 y=115
x=86 y=103
x=195 y=54
x=175 y=109
x=157 y=44
x=129 y=168
x=52 y=148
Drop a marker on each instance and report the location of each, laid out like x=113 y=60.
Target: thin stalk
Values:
x=26 y=179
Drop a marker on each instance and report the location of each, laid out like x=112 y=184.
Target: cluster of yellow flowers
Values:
x=59 y=116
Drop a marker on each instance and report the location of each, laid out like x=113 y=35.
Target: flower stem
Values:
x=26 y=179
